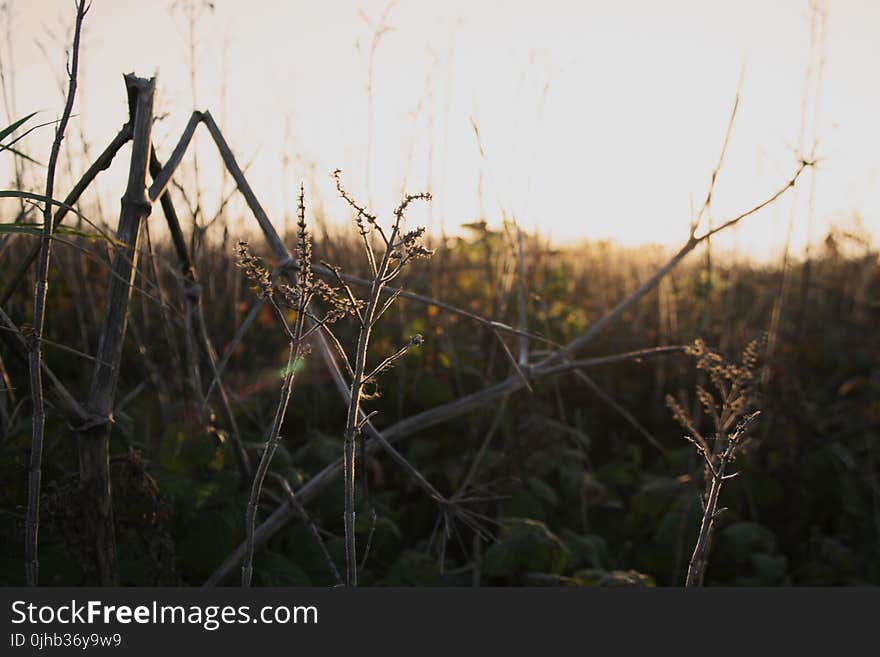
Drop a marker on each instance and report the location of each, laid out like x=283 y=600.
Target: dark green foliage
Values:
x=525 y=546
x=579 y=495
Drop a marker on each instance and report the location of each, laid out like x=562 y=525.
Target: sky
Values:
x=596 y=120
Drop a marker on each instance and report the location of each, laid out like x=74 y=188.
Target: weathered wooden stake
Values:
x=94 y=436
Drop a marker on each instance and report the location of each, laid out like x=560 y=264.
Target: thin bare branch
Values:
x=300 y=509
x=35 y=359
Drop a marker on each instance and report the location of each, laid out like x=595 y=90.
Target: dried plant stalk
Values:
x=299 y=298
x=399 y=249
x=247 y=568
x=731 y=410
x=94 y=436
x=557 y=362
x=35 y=358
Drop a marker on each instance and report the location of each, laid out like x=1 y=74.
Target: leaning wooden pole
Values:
x=103 y=162
x=94 y=437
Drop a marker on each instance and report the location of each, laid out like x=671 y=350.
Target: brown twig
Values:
x=35 y=360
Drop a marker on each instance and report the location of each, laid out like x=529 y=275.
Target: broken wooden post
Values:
x=94 y=435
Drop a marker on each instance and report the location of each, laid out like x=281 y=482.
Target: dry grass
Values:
x=509 y=329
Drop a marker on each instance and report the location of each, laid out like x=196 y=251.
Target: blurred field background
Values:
x=545 y=217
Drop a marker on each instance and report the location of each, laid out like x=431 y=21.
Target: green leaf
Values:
x=745 y=538
x=17 y=152
x=521 y=503
x=598 y=577
x=769 y=569
x=22 y=229
x=527 y=546
x=413 y=569
x=12 y=127
x=656 y=496
x=8 y=146
x=587 y=550
x=209 y=538
x=37 y=229
x=42 y=198
x=299 y=542
x=543 y=491
x=273 y=569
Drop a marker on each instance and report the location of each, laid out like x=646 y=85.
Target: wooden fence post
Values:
x=94 y=436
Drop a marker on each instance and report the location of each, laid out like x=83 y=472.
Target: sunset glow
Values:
x=458 y=293
x=596 y=120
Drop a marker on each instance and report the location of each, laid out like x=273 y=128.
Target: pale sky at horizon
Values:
x=599 y=120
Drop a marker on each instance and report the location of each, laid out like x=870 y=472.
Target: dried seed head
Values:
x=338 y=304
x=678 y=413
x=401 y=209
x=736 y=397
x=253 y=268
x=362 y=214
x=291 y=296
x=303 y=249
